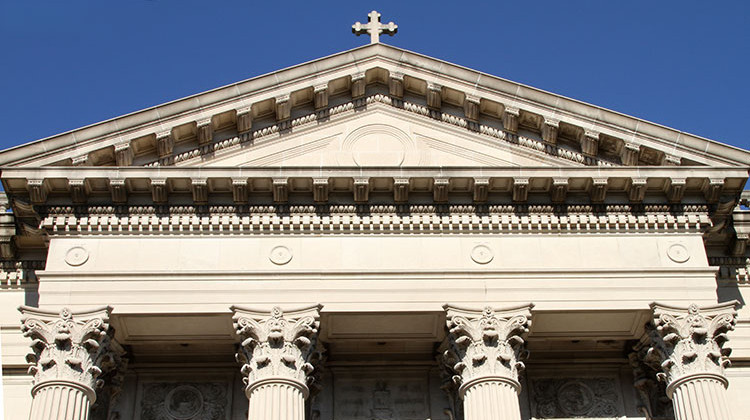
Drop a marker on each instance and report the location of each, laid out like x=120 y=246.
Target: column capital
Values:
x=690 y=342
x=486 y=344
x=277 y=345
x=67 y=347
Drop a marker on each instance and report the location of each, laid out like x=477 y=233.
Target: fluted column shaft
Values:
x=277 y=353
x=700 y=397
x=484 y=353
x=60 y=401
x=277 y=400
x=491 y=399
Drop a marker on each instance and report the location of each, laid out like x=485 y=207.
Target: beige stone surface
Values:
x=373 y=187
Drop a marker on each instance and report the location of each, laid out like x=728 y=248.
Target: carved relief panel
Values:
x=575 y=397
x=187 y=399
x=381 y=394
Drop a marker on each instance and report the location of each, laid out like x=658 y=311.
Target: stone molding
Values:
x=500 y=184
x=277 y=346
x=67 y=347
x=385 y=219
x=690 y=343
x=486 y=345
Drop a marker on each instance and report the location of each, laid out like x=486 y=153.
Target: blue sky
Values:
x=67 y=64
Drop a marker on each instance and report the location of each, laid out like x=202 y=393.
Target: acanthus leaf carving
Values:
x=691 y=341
x=486 y=343
x=277 y=345
x=69 y=347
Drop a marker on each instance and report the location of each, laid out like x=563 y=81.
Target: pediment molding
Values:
x=305 y=93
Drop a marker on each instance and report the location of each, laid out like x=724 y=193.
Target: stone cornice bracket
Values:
x=691 y=342
x=164 y=143
x=550 y=127
x=637 y=190
x=440 y=190
x=359 y=83
x=671 y=160
x=123 y=154
x=401 y=190
x=741 y=225
x=481 y=189
x=239 y=190
x=159 y=191
x=361 y=190
x=277 y=346
x=598 y=190
x=119 y=191
x=79 y=190
x=676 y=190
x=199 y=188
x=283 y=108
x=82 y=160
x=320 y=96
x=38 y=190
x=713 y=189
x=205 y=131
x=558 y=191
x=396 y=85
x=520 y=190
x=486 y=344
x=589 y=143
x=511 y=116
x=244 y=120
x=320 y=190
x=67 y=348
x=630 y=154
x=280 y=187
x=434 y=96
x=471 y=108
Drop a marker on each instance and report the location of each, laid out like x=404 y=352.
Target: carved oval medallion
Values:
x=575 y=398
x=280 y=255
x=184 y=402
x=76 y=256
x=482 y=254
x=678 y=253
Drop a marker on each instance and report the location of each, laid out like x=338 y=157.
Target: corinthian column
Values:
x=67 y=353
x=485 y=348
x=276 y=353
x=689 y=343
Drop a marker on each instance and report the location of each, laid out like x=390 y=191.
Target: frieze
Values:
x=185 y=401
x=385 y=219
x=596 y=397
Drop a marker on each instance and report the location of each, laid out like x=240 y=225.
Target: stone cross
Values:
x=374 y=27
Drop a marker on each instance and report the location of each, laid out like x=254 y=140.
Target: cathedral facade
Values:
x=376 y=234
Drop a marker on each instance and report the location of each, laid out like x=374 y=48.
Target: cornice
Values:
x=242 y=186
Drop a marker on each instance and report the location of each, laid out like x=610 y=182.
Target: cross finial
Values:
x=374 y=27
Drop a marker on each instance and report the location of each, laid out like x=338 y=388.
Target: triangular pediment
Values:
x=375 y=105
